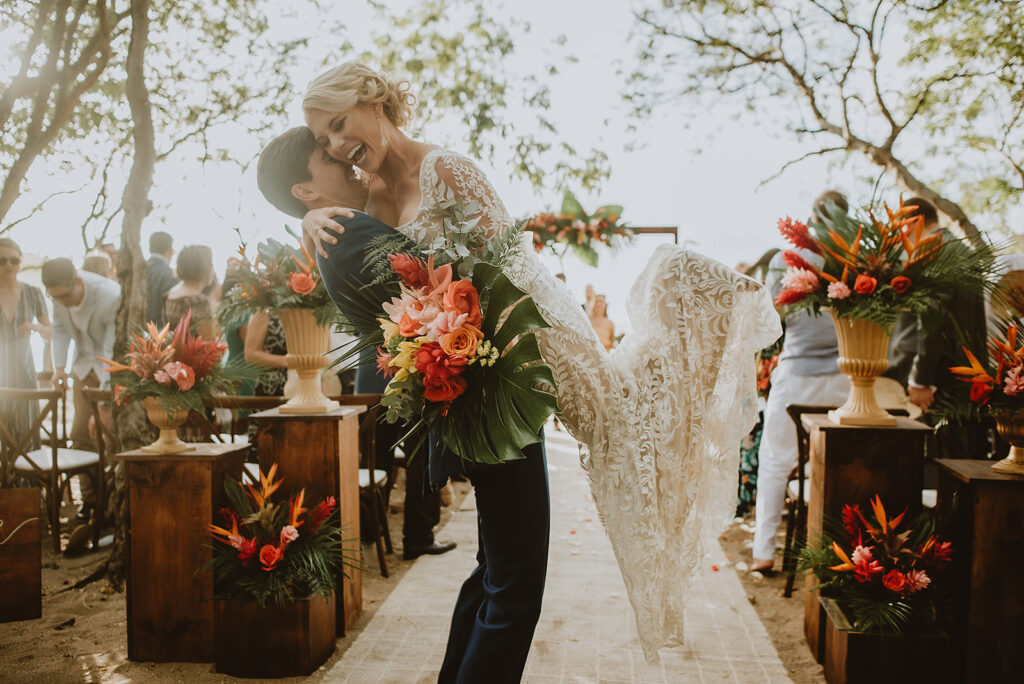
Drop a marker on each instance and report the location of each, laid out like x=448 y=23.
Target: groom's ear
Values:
x=304 y=192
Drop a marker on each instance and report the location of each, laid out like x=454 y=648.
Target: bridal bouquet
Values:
x=873 y=269
x=887 y=578
x=275 y=550
x=572 y=228
x=456 y=341
x=280 y=277
x=179 y=369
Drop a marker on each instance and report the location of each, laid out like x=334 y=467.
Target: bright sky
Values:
x=712 y=196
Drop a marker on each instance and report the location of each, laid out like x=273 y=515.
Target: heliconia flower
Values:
x=794 y=260
x=800 y=280
x=917 y=580
x=798 y=235
x=1013 y=385
x=288 y=535
x=839 y=290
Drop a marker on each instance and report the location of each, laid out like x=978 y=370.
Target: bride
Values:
x=659 y=419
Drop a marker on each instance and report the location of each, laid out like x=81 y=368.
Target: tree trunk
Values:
x=133 y=430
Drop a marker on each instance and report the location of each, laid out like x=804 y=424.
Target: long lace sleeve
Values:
x=459 y=178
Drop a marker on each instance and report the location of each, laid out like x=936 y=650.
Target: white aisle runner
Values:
x=586 y=632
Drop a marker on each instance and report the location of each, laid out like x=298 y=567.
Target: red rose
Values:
x=301 y=283
x=895 y=581
x=269 y=556
x=900 y=284
x=865 y=284
x=435 y=364
x=443 y=389
x=410 y=269
x=247 y=550
x=981 y=392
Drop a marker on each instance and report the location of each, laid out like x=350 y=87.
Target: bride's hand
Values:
x=318 y=224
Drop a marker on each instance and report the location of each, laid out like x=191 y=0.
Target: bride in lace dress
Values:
x=660 y=418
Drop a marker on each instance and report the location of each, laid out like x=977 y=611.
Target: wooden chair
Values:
x=106 y=444
x=53 y=466
x=374 y=483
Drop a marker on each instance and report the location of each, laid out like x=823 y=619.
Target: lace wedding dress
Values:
x=659 y=419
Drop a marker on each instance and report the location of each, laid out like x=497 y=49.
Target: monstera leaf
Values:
x=504 y=407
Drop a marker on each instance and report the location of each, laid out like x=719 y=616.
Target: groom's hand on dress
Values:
x=319 y=223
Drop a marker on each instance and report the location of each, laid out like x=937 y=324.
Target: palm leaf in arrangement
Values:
x=492 y=421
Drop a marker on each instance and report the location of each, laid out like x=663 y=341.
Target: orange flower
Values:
x=463 y=298
x=865 y=284
x=301 y=283
x=462 y=341
x=270 y=556
x=441 y=389
x=900 y=284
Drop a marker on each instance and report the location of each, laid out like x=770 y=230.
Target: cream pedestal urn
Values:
x=1010 y=427
x=168 y=423
x=863 y=356
x=307 y=354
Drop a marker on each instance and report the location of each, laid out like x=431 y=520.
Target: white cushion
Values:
x=379 y=476
x=67 y=459
x=928 y=497
x=791 y=489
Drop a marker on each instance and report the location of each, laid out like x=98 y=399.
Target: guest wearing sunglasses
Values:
x=23 y=312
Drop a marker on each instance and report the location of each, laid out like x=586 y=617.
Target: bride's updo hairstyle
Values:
x=343 y=87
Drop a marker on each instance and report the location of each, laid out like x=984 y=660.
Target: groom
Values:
x=499 y=605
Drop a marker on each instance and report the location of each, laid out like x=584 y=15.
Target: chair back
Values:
x=13 y=445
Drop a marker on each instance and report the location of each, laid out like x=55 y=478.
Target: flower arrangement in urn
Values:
x=572 y=228
x=874 y=269
x=999 y=390
x=275 y=550
x=172 y=373
x=888 y=579
x=280 y=277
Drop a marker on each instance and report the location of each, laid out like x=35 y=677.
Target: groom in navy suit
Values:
x=499 y=605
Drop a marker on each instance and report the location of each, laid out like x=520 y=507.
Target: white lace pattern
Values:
x=660 y=419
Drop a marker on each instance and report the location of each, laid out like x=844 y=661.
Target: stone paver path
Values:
x=587 y=631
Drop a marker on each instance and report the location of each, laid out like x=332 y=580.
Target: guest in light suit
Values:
x=84 y=308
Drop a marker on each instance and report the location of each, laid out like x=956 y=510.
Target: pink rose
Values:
x=838 y=291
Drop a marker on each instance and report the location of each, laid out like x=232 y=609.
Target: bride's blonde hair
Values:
x=343 y=87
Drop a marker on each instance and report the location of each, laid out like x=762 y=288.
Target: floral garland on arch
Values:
x=874 y=269
x=279 y=277
x=574 y=229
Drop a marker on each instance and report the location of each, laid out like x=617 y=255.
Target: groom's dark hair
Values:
x=283 y=163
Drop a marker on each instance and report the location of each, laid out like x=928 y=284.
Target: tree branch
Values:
x=794 y=162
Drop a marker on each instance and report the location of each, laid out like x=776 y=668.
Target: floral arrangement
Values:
x=1000 y=390
x=765 y=366
x=275 y=550
x=572 y=228
x=868 y=269
x=280 y=277
x=887 y=578
x=179 y=369
x=456 y=342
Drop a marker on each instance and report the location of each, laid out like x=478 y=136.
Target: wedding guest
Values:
x=920 y=361
x=98 y=263
x=602 y=324
x=24 y=313
x=235 y=332
x=265 y=347
x=110 y=250
x=161 y=278
x=195 y=268
x=84 y=308
x=807 y=373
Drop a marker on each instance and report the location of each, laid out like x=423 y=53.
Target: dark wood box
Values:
x=853 y=657
x=21 y=578
x=273 y=641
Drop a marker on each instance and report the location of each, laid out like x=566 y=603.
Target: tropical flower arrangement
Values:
x=870 y=269
x=999 y=389
x=455 y=338
x=279 y=277
x=179 y=369
x=889 y=580
x=572 y=228
x=275 y=549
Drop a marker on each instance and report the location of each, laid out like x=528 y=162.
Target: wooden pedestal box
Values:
x=172 y=499
x=320 y=452
x=853 y=657
x=21 y=578
x=273 y=641
x=850 y=465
